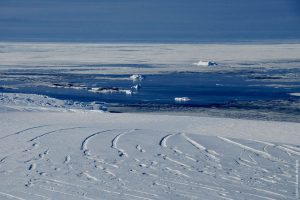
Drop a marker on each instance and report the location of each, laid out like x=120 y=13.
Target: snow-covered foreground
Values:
x=87 y=155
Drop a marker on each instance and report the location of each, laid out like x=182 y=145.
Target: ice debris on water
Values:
x=127 y=92
x=136 y=87
x=296 y=94
x=182 y=99
x=109 y=90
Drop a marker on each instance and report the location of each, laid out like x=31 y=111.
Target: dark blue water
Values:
x=204 y=89
x=252 y=94
x=150 y=21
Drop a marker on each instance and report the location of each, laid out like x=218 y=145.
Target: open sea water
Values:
x=268 y=91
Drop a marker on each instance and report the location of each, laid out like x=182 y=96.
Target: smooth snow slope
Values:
x=131 y=156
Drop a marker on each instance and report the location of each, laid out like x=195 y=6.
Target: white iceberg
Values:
x=182 y=99
x=205 y=63
x=136 y=87
x=296 y=94
x=136 y=77
x=127 y=92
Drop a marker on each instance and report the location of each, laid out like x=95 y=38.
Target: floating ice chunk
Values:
x=205 y=63
x=93 y=89
x=182 y=99
x=80 y=87
x=109 y=90
x=136 y=87
x=127 y=92
x=3 y=87
x=296 y=94
x=68 y=85
x=98 y=106
x=136 y=77
x=104 y=90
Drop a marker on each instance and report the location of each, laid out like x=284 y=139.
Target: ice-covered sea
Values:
x=257 y=87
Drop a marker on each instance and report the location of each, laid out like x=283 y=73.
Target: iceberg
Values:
x=205 y=63
x=136 y=77
x=296 y=94
x=136 y=87
x=182 y=99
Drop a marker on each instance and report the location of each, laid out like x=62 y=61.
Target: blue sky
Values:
x=149 y=20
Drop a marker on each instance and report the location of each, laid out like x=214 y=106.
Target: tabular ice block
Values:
x=205 y=63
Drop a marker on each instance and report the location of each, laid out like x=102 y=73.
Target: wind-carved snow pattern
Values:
x=64 y=162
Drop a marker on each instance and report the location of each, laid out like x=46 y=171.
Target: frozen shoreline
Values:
x=13 y=102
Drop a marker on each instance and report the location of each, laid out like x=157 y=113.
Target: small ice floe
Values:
x=127 y=92
x=110 y=90
x=80 y=87
x=136 y=77
x=104 y=90
x=205 y=63
x=98 y=106
x=136 y=87
x=4 y=87
x=65 y=85
x=68 y=85
x=182 y=99
x=296 y=94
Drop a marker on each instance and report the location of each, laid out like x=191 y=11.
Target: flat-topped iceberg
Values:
x=205 y=63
